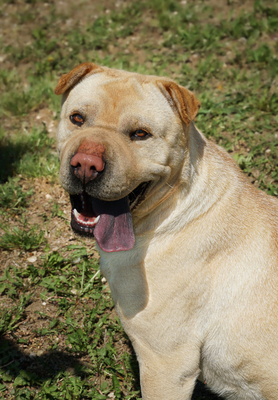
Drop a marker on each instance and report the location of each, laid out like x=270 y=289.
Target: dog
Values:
x=188 y=246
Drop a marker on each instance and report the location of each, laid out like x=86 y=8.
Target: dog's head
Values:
x=121 y=139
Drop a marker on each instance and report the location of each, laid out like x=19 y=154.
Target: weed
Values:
x=10 y=318
x=26 y=238
x=12 y=197
x=57 y=212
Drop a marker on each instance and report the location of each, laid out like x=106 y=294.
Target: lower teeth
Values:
x=88 y=224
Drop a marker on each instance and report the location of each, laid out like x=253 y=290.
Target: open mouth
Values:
x=83 y=217
x=109 y=221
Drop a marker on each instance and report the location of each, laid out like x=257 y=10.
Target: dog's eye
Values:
x=77 y=119
x=140 y=134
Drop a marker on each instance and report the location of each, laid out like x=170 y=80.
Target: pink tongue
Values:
x=114 y=230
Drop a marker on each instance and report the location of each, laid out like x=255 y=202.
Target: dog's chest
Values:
x=147 y=290
x=125 y=273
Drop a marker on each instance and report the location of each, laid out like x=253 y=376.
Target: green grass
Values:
x=30 y=154
x=27 y=238
x=12 y=197
x=75 y=287
x=229 y=59
x=22 y=96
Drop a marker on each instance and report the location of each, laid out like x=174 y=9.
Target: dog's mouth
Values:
x=109 y=221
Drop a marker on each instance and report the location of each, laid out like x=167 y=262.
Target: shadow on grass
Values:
x=11 y=153
x=20 y=151
x=38 y=369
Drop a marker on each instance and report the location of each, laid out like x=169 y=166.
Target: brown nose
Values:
x=86 y=166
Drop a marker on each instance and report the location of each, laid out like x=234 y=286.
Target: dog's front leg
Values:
x=166 y=382
x=170 y=377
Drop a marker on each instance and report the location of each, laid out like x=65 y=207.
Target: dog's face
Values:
x=122 y=137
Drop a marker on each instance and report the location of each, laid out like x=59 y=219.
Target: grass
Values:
x=29 y=153
x=82 y=317
x=60 y=335
x=26 y=238
x=12 y=197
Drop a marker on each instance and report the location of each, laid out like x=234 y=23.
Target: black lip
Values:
x=138 y=195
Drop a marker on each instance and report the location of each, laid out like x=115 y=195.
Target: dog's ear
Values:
x=184 y=100
x=67 y=81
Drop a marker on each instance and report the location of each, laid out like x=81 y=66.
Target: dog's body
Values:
x=198 y=290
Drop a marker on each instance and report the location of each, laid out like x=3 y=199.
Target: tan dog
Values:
x=188 y=246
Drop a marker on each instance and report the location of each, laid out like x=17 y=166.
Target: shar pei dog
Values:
x=188 y=246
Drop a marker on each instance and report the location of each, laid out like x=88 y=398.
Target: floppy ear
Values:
x=67 y=81
x=184 y=100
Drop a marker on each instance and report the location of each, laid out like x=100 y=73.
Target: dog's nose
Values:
x=86 y=166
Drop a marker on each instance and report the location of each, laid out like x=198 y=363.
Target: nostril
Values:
x=78 y=165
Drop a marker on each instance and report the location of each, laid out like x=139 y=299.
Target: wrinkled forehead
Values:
x=132 y=91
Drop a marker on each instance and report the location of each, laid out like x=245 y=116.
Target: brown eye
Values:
x=140 y=134
x=77 y=119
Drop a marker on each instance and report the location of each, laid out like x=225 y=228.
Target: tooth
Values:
x=76 y=213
